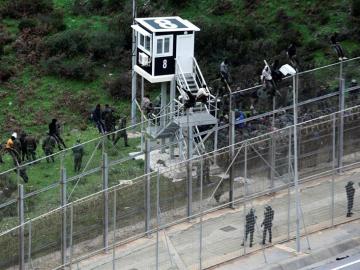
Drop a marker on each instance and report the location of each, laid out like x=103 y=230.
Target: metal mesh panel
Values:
x=46 y=241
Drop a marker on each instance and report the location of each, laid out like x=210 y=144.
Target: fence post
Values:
x=114 y=231
x=333 y=168
x=21 y=227
x=189 y=165
x=63 y=217
x=273 y=147
x=231 y=157
x=163 y=105
x=296 y=176
x=201 y=211
x=341 y=122
x=289 y=193
x=105 y=178
x=157 y=217
x=147 y=184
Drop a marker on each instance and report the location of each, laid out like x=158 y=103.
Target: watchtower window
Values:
x=144 y=42
x=164 y=46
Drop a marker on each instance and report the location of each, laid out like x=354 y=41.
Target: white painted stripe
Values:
x=346 y=265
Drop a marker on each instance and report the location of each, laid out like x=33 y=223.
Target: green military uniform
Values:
x=48 y=146
x=122 y=133
x=78 y=152
x=31 y=146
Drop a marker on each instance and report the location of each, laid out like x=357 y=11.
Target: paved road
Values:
x=350 y=263
x=222 y=233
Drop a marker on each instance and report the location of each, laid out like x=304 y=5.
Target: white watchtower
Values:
x=165 y=53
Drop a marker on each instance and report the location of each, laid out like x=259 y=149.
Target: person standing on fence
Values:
x=78 y=153
x=350 y=192
x=267 y=223
x=224 y=71
x=337 y=47
x=48 y=146
x=250 y=222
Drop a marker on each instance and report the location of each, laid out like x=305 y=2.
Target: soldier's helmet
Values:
x=268 y=207
x=350 y=183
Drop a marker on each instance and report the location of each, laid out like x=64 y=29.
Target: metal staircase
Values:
x=173 y=120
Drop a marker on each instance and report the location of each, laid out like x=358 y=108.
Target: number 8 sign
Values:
x=165 y=24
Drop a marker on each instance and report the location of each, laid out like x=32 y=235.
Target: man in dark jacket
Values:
x=350 y=192
x=54 y=132
x=267 y=223
x=97 y=118
x=250 y=222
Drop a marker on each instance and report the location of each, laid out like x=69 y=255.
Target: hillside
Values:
x=61 y=57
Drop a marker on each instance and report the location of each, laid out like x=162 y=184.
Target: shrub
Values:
x=355 y=8
x=120 y=87
x=77 y=69
x=69 y=43
x=25 y=8
x=27 y=23
x=104 y=45
x=52 y=22
x=221 y=7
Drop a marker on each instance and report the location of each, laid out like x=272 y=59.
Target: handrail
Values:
x=182 y=74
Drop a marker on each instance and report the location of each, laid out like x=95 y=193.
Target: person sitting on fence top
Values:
x=291 y=53
x=203 y=94
x=275 y=71
x=337 y=47
x=267 y=79
x=224 y=71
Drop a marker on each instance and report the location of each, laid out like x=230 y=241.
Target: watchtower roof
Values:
x=166 y=24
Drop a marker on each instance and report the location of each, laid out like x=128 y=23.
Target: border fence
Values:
x=101 y=221
x=253 y=158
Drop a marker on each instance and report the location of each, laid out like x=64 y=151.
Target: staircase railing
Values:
x=200 y=78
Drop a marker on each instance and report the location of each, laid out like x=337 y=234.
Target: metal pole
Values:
x=157 y=217
x=289 y=194
x=71 y=234
x=29 y=246
x=142 y=118
x=201 y=211
x=63 y=218
x=172 y=115
x=114 y=230
x=133 y=73
x=147 y=185
x=21 y=227
x=341 y=128
x=296 y=176
x=333 y=168
x=163 y=105
x=231 y=157
x=105 y=178
x=189 y=165
x=273 y=148
x=245 y=192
